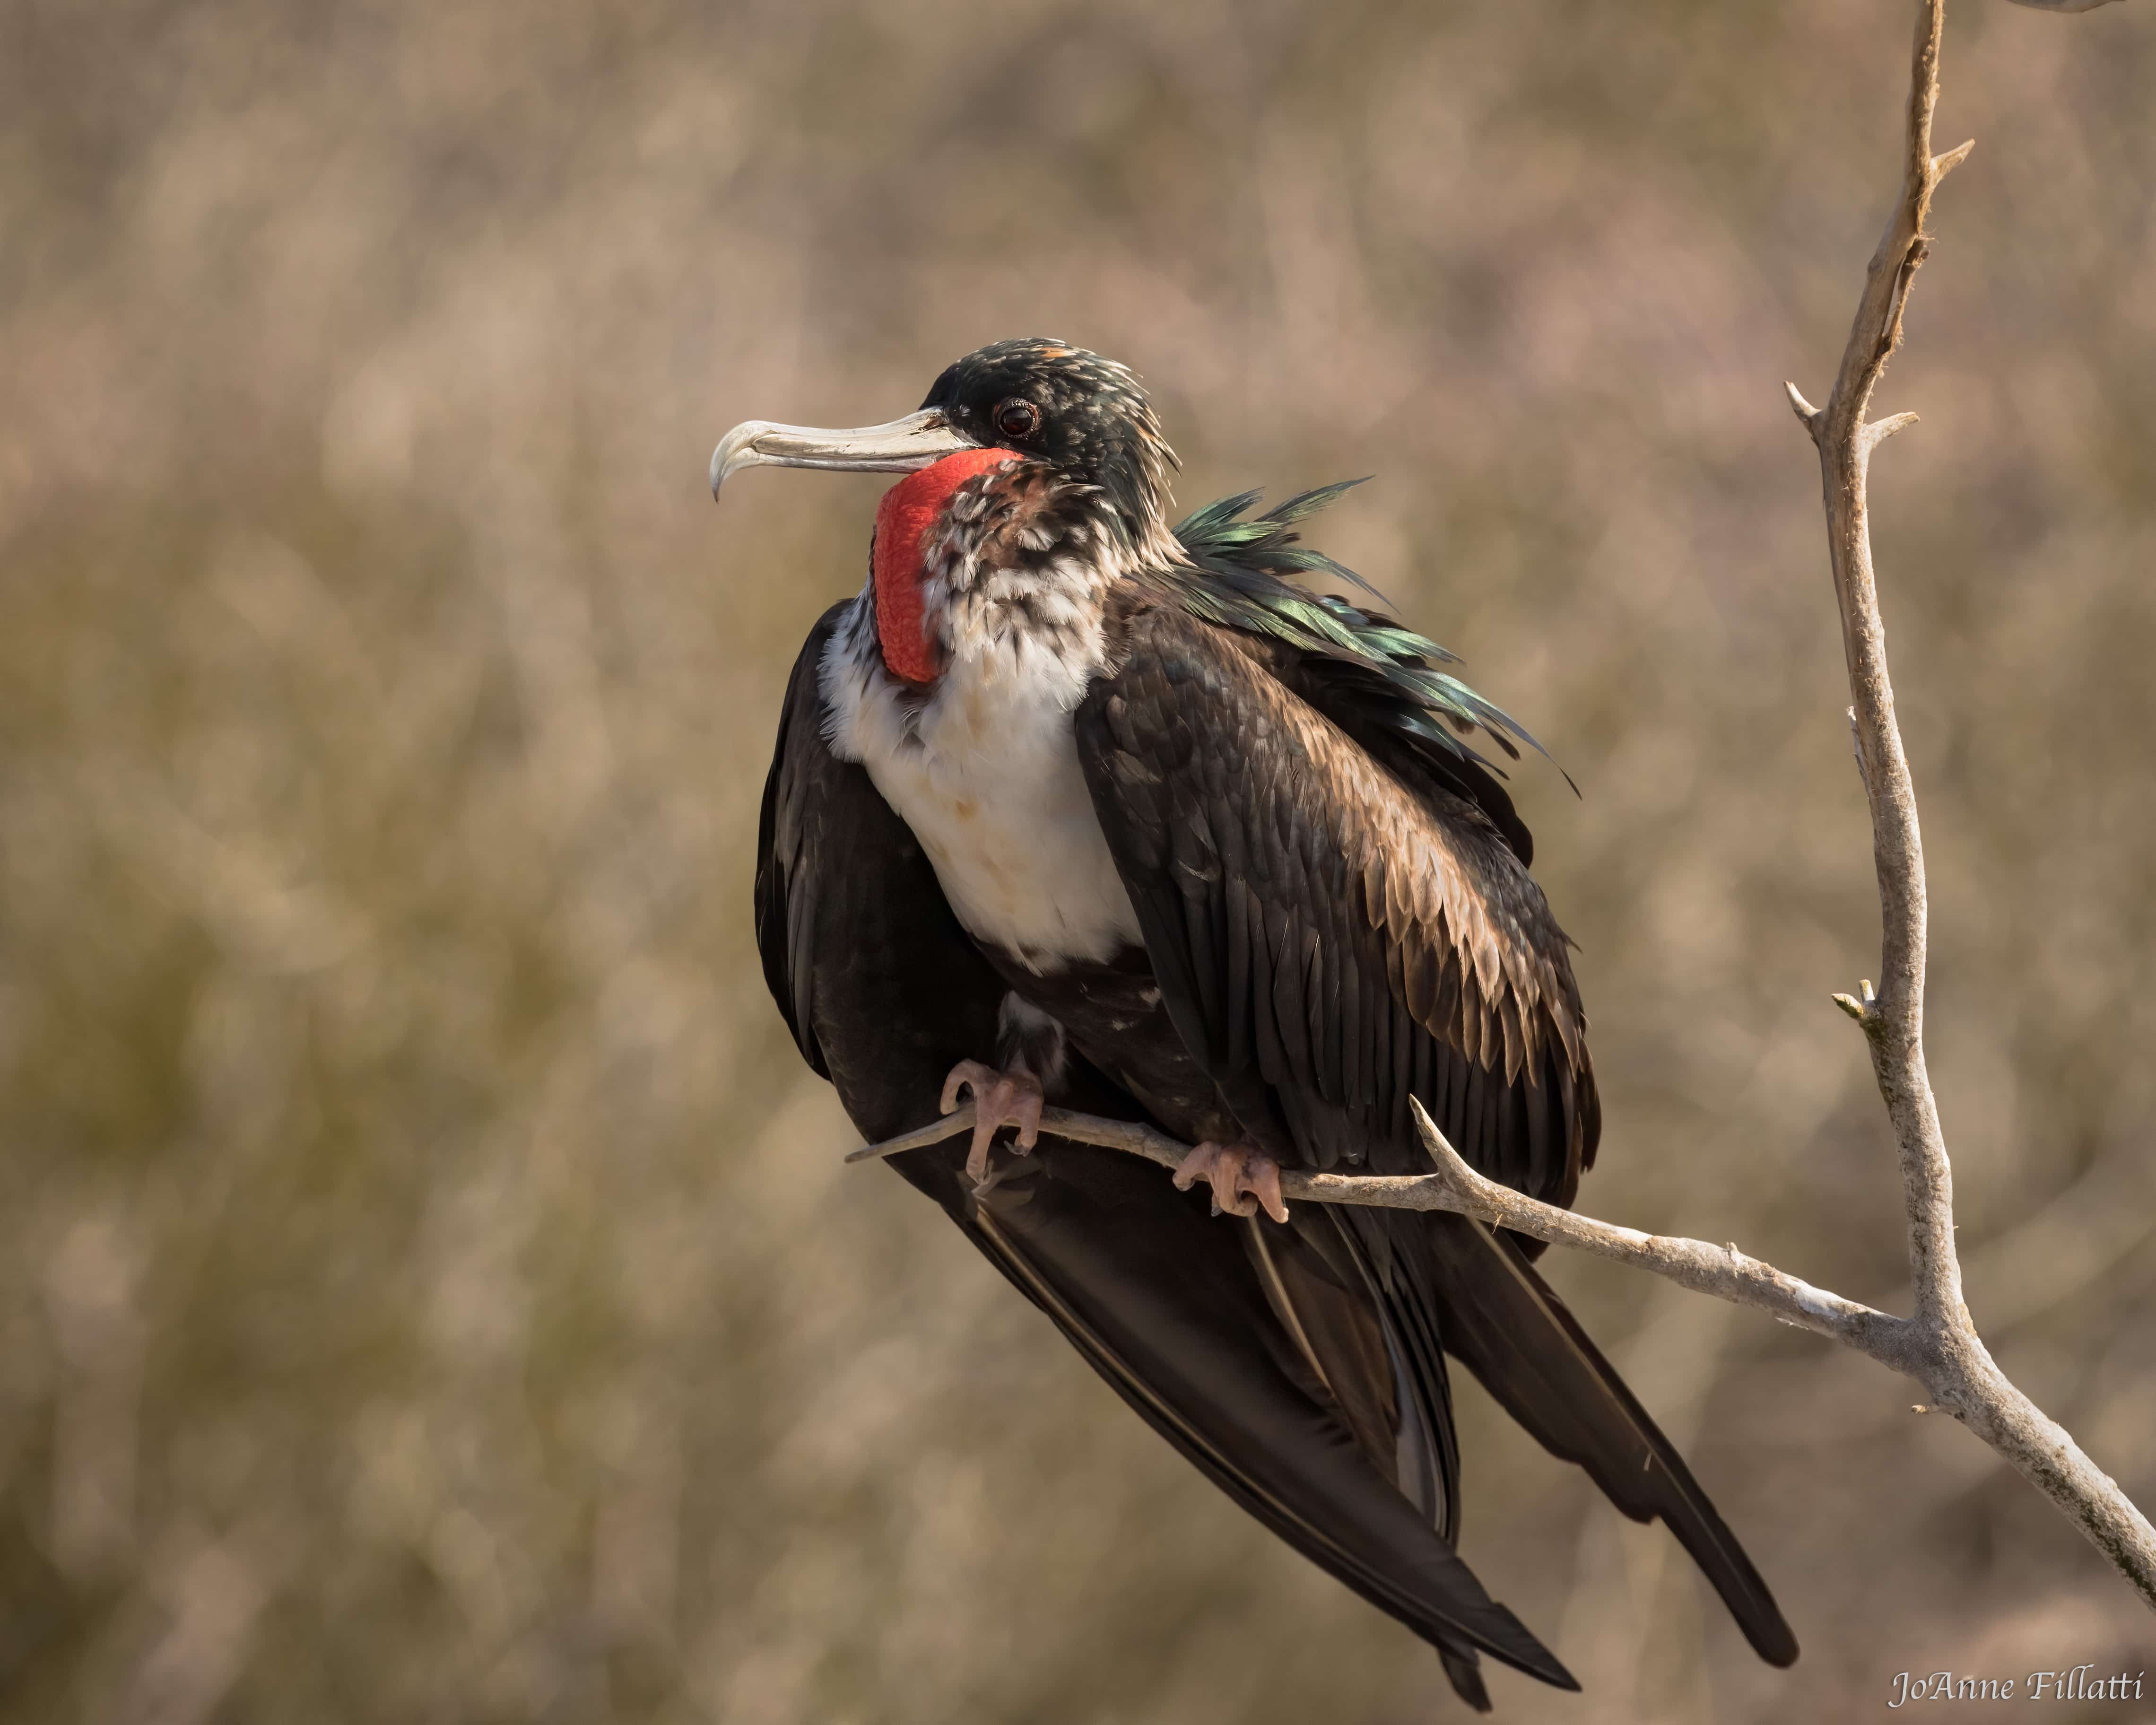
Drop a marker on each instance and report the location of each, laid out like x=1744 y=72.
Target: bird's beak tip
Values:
x=736 y=450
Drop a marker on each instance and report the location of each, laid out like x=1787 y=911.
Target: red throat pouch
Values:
x=904 y=519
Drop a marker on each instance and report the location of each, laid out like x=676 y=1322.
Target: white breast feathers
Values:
x=984 y=768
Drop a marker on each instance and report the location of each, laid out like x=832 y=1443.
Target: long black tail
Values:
x=1170 y=1306
x=1505 y=1325
x=1162 y=1300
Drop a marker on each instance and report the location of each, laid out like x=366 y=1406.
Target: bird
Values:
x=1070 y=803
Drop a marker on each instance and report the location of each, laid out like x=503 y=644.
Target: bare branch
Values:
x=1140 y=1140
x=1949 y=1358
x=1722 y=1271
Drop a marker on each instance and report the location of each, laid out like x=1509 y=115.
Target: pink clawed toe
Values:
x=1244 y=1178
x=1000 y=1099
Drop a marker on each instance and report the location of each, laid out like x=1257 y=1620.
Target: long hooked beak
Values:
x=899 y=447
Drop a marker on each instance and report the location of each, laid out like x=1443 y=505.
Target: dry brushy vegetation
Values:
x=395 y=1321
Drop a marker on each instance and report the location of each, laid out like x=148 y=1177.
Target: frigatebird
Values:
x=1071 y=804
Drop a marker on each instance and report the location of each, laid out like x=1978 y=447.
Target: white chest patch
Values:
x=984 y=769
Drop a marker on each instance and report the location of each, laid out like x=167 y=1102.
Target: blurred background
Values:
x=429 y=1287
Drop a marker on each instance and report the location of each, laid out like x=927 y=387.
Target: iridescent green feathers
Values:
x=1249 y=572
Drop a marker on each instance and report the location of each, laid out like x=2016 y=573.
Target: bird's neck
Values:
x=1011 y=580
x=993 y=648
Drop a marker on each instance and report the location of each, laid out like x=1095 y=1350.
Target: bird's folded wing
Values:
x=1330 y=938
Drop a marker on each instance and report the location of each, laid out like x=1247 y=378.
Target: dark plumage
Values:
x=1317 y=965
x=1221 y=843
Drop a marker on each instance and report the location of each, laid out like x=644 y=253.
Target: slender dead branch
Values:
x=1893 y=1019
x=1719 y=1270
x=1938 y=1345
x=1948 y=1356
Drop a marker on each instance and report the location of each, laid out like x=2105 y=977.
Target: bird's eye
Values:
x=1018 y=417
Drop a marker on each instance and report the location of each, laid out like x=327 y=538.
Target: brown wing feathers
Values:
x=1346 y=938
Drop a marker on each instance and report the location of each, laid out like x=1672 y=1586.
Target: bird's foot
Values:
x=1000 y=1099
x=1244 y=1178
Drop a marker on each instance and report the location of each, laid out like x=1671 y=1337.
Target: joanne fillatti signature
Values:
x=2078 y=1682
